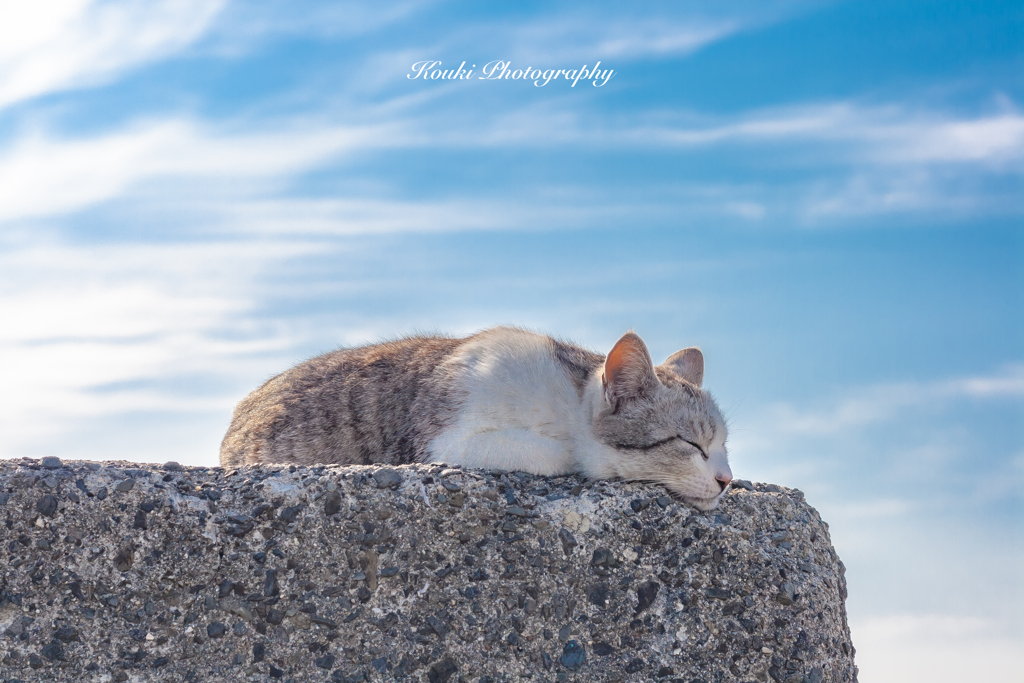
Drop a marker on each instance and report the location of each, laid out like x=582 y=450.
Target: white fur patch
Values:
x=521 y=410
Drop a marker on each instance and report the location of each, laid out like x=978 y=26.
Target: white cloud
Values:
x=884 y=135
x=880 y=160
x=993 y=138
x=51 y=45
x=938 y=648
x=93 y=332
x=362 y=216
x=886 y=401
x=658 y=39
x=556 y=42
x=376 y=216
x=244 y=23
x=871 y=441
x=882 y=191
x=1010 y=383
x=46 y=176
x=891 y=159
x=623 y=33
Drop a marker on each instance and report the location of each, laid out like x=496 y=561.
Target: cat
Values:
x=503 y=399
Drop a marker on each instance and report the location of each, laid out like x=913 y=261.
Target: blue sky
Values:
x=827 y=197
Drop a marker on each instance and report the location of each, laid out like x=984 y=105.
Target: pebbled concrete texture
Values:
x=117 y=571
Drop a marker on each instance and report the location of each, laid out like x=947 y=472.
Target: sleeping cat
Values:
x=502 y=399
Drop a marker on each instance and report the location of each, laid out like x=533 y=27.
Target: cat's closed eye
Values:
x=662 y=442
x=648 y=446
x=703 y=452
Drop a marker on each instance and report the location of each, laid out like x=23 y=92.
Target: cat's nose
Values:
x=723 y=480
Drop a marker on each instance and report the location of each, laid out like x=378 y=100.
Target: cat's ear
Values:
x=688 y=364
x=628 y=371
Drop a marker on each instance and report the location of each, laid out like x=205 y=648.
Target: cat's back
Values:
x=376 y=403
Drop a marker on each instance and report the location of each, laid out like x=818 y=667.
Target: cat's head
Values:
x=664 y=427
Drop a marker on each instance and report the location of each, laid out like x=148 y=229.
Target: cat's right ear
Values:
x=628 y=371
x=688 y=364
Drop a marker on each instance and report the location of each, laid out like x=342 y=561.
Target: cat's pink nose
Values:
x=723 y=480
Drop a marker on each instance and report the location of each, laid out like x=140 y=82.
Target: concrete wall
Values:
x=118 y=572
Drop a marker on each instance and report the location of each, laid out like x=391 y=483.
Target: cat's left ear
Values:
x=688 y=364
x=628 y=371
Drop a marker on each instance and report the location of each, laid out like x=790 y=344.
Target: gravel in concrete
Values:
x=126 y=572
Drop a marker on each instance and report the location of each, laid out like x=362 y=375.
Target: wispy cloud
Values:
x=621 y=33
x=370 y=216
x=856 y=159
x=274 y=18
x=884 y=135
x=856 y=133
x=880 y=191
x=43 y=175
x=887 y=401
x=560 y=42
x=994 y=139
x=884 y=436
x=61 y=44
x=91 y=332
x=244 y=28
